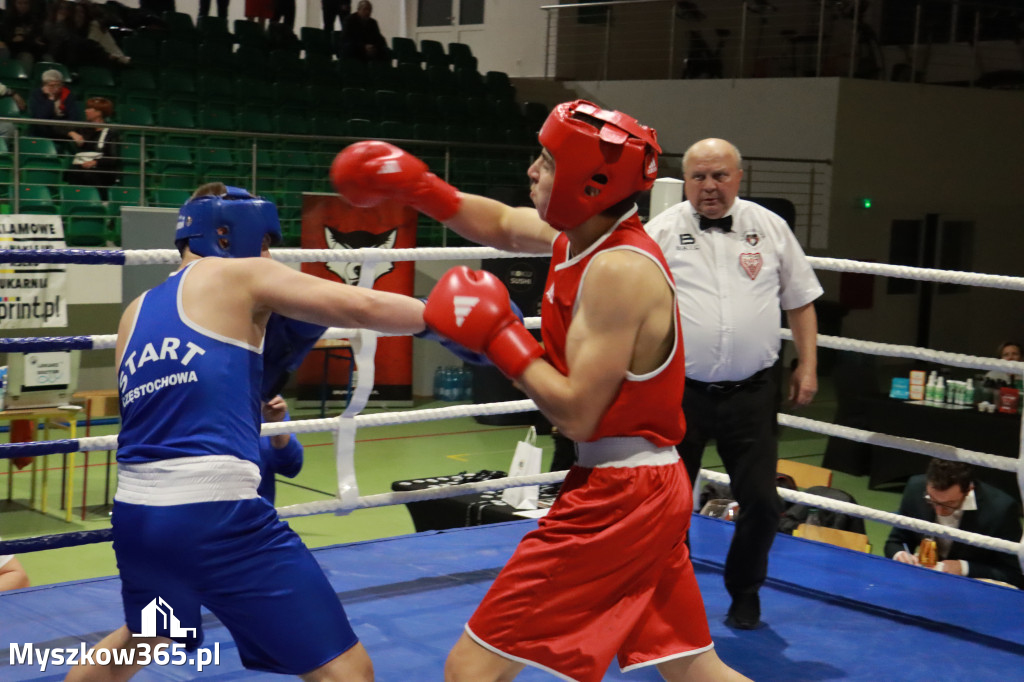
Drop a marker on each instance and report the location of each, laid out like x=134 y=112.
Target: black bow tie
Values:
x=724 y=223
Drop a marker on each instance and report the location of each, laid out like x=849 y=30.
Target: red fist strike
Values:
x=472 y=308
x=367 y=173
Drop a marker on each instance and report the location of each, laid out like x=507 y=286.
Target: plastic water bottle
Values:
x=437 y=382
x=451 y=385
x=467 y=384
x=812 y=517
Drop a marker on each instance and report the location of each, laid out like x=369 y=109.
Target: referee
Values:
x=735 y=265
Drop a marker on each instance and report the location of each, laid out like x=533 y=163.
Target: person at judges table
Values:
x=735 y=265
x=948 y=494
x=610 y=555
x=1009 y=350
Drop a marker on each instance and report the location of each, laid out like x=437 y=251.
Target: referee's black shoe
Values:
x=745 y=612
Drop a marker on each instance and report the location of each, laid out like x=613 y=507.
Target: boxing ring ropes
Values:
x=346 y=424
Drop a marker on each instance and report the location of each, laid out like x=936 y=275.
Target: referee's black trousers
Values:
x=742 y=422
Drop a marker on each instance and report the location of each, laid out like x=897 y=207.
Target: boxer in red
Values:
x=607 y=573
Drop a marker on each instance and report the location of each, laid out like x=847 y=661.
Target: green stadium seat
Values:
x=362 y=128
x=499 y=86
x=139 y=85
x=358 y=103
x=254 y=121
x=433 y=53
x=81 y=201
x=215 y=88
x=172 y=167
x=390 y=104
x=403 y=51
x=251 y=34
x=36 y=200
x=535 y=114
x=252 y=62
x=97 y=81
x=217 y=164
x=9 y=108
x=143 y=47
x=214 y=31
x=177 y=54
x=169 y=197
x=441 y=80
x=469 y=82
x=177 y=85
x=461 y=56
x=216 y=57
x=421 y=107
x=383 y=76
x=285 y=65
x=353 y=74
x=315 y=41
x=180 y=27
x=215 y=117
x=412 y=78
x=396 y=130
x=292 y=124
x=86 y=231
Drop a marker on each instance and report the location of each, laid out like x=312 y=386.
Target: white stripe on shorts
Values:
x=186 y=480
x=624 y=451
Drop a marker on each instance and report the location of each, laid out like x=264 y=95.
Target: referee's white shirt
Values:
x=730 y=286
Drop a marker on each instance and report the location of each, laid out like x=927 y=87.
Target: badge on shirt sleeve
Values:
x=751 y=263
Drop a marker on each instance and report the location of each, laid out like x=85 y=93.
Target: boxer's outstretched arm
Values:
x=492 y=223
x=278 y=288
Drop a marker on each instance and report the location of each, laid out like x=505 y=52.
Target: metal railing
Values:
x=959 y=42
x=162 y=165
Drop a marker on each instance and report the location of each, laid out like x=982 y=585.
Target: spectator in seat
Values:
x=54 y=101
x=361 y=37
x=97 y=161
x=22 y=31
x=7 y=128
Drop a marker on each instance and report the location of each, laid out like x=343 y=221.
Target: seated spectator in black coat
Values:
x=948 y=494
x=360 y=36
x=53 y=101
x=22 y=31
x=97 y=160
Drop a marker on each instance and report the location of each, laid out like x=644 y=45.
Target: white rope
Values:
x=922 y=447
x=405 y=497
x=172 y=257
x=923 y=274
x=913 y=353
x=887 y=518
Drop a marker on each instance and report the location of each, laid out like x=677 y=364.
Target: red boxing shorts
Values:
x=606 y=573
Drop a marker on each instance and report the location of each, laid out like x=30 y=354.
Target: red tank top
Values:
x=648 y=405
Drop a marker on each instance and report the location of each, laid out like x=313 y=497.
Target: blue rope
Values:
x=46 y=447
x=102 y=257
x=44 y=542
x=44 y=343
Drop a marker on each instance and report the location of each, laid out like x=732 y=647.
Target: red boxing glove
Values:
x=367 y=173
x=473 y=309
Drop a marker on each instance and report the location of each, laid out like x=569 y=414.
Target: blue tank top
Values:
x=185 y=391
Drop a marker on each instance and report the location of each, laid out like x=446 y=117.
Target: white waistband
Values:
x=623 y=451
x=186 y=480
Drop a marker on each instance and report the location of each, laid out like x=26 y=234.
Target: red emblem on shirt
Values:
x=751 y=262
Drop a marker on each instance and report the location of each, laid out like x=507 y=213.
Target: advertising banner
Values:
x=330 y=223
x=32 y=294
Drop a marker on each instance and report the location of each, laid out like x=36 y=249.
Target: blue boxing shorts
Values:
x=244 y=564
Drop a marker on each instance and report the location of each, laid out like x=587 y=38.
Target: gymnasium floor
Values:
x=383 y=455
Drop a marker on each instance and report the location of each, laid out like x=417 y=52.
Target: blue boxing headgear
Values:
x=230 y=225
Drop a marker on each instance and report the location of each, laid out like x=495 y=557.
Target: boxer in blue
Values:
x=190 y=529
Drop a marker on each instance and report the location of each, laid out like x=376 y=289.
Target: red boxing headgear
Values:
x=601 y=157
